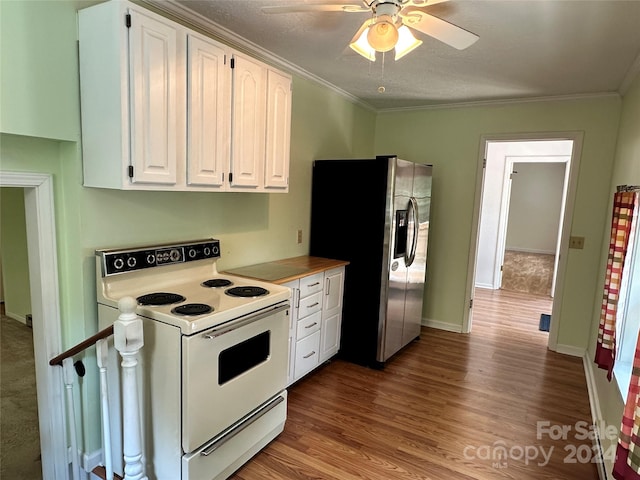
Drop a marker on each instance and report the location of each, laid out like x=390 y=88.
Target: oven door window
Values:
x=236 y=360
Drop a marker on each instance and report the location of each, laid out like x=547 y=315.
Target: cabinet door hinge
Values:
x=484 y=163
x=233 y=62
x=130 y=171
x=127 y=20
x=471 y=303
x=230 y=177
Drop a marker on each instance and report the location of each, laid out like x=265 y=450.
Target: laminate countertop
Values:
x=288 y=269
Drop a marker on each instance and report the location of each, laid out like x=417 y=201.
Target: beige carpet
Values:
x=527 y=272
x=19 y=434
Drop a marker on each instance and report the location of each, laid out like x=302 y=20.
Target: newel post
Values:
x=128 y=340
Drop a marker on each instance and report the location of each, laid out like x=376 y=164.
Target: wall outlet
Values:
x=576 y=242
x=299 y=236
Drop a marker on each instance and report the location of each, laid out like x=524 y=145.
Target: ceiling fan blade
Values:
x=325 y=7
x=423 y=3
x=439 y=29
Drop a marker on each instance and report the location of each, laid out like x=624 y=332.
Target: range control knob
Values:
x=151 y=259
x=207 y=251
x=192 y=253
x=174 y=255
x=118 y=263
x=131 y=262
x=216 y=250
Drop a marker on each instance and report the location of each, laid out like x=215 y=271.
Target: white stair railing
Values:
x=128 y=340
x=102 y=355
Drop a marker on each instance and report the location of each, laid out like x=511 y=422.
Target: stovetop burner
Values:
x=246 y=291
x=217 y=283
x=160 y=298
x=192 y=309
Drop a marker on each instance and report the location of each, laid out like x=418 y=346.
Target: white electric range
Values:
x=214 y=360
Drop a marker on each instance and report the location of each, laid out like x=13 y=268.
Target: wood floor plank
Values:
x=442 y=409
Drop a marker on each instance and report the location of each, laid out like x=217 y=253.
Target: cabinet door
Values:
x=209 y=113
x=153 y=96
x=330 y=339
x=248 y=122
x=278 y=130
x=333 y=289
x=331 y=313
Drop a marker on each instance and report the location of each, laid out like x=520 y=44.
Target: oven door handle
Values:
x=234 y=325
x=236 y=429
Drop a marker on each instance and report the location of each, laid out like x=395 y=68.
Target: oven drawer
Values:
x=307 y=354
x=308 y=325
x=218 y=459
x=311 y=284
x=310 y=305
x=229 y=370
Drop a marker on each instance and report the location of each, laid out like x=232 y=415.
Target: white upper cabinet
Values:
x=248 y=122
x=278 y=140
x=153 y=92
x=208 y=107
x=130 y=91
x=162 y=109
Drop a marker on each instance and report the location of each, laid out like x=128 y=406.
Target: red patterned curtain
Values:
x=623 y=205
x=627 y=462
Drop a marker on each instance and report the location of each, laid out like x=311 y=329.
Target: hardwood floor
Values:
x=445 y=408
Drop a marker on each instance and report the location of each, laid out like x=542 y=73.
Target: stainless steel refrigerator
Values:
x=375 y=214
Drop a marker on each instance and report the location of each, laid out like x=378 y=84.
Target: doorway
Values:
x=45 y=307
x=497 y=157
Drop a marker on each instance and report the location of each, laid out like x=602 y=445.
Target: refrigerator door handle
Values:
x=410 y=253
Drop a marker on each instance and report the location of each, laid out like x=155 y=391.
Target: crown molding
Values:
x=510 y=101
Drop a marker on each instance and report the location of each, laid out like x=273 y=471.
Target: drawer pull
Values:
x=312 y=325
x=310 y=354
x=313 y=284
x=313 y=305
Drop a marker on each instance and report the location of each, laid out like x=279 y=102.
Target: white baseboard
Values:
x=596 y=413
x=449 y=327
x=91 y=460
x=530 y=250
x=488 y=286
x=571 y=350
x=21 y=318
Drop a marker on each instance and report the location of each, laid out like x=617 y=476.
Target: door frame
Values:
x=45 y=305
x=574 y=167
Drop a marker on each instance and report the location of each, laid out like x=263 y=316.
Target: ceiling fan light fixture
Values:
x=406 y=42
x=383 y=34
x=361 y=46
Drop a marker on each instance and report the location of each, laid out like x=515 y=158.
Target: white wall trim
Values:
x=45 y=301
x=16 y=316
x=437 y=324
x=530 y=250
x=571 y=350
x=596 y=412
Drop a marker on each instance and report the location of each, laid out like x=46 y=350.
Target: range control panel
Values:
x=128 y=260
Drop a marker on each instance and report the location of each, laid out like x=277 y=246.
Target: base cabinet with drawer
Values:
x=314 y=331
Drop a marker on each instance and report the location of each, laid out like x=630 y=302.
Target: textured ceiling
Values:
x=527 y=49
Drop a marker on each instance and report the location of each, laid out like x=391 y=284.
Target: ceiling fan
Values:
x=390 y=25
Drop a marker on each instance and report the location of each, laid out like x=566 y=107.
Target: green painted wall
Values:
x=626 y=171
x=13 y=248
x=38 y=70
x=450 y=139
